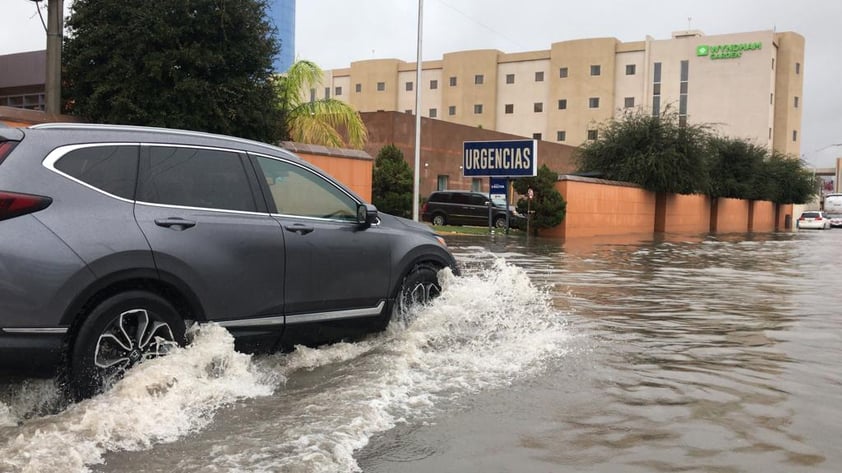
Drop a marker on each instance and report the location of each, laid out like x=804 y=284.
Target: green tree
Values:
x=324 y=121
x=736 y=169
x=199 y=65
x=391 y=185
x=548 y=205
x=658 y=153
x=788 y=181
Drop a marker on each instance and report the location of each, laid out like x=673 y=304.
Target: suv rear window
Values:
x=810 y=214
x=112 y=169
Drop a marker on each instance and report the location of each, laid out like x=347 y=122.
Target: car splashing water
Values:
x=308 y=410
x=158 y=401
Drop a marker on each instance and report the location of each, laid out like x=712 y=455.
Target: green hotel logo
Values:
x=727 y=51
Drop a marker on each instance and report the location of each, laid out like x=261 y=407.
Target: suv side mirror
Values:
x=366 y=214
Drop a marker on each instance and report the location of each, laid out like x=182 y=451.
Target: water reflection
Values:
x=698 y=361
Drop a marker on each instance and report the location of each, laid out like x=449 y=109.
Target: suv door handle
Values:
x=299 y=228
x=175 y=223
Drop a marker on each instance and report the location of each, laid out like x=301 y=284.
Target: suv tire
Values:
x=500 y=221
x=439 y=220
x=121 y=331
x=419 y=287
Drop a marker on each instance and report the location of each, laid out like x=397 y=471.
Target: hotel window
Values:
x=476 y=184
x=510 y=78
x=770 y=133
x=381 y=86
x=596 y=69
x=358 y=88
x=561 y=135
x=478 y=109
x=538 y=107
x=562 y=72
x=798 y=68
x=453 y=81
x=409 y=86
x=795 y=101
x=408 y=111
x=337 y=91
x=593 y=135
x=510 y=108
x=441 y=182
x=539 y=76
x=433 y=113
x=479 y=79
x=562 y=104
x=327 y=92
x=773 y=64
x=794 y=135
x=682 y=97
x=631 y=69
x=536 y=136
x=451 y=110
x=312 y=95
x=771 y=99
x=434 y=84
x=628 y=102
x=656 y=89
x=593 y=102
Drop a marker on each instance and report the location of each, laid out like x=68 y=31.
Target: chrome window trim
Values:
x=306 y=318
x=36 y=330
x=202 y=209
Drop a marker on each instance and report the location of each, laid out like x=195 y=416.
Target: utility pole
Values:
x=416 y=181
x=55 y=29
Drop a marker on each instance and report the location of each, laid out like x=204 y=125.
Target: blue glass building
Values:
x=282 y=15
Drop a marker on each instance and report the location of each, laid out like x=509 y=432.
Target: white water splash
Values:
x=158 y=401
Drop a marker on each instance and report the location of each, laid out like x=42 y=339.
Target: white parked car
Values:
x=815 y=219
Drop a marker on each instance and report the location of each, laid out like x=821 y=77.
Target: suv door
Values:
x=198 y=210
x=478 y=205
x=334 y=267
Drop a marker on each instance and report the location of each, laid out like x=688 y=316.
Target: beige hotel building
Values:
x=746 y=85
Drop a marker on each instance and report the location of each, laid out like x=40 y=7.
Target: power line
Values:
x=498 y=33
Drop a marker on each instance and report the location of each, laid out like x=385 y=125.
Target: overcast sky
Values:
x=333 y=33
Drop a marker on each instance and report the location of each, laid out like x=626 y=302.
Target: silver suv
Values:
x=113 y=239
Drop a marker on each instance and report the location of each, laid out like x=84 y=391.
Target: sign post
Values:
x=501 y=159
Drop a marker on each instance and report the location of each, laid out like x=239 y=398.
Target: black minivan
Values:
x=467 y=208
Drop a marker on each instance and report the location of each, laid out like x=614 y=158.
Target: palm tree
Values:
x=321 y=121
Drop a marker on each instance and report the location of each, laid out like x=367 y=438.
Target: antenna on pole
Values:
x=689 y=21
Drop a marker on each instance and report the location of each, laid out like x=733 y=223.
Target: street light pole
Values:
x=416 y=185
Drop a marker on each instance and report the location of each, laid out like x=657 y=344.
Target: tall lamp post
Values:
x=416 y=185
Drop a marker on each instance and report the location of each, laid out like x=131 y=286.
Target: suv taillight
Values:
x=6 y=147
x=13 y=204
x=424 y=208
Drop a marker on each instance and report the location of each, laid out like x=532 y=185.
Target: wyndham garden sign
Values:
x=727 y=51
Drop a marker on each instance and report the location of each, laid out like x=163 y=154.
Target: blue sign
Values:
x=511 y=158
x=498 y=186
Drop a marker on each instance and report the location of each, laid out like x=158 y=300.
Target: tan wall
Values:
x=579 y=86
x=354 y=173
x=368 y=74
x=687 y=214
x=522 y=96
x=464 y=66
x=731 y=215
x=763 y=216
x=606 y=208
x=788 y=85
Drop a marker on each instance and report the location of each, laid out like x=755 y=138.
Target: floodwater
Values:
x=697 y=353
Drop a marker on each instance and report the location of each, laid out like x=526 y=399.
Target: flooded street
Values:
x=691 y=354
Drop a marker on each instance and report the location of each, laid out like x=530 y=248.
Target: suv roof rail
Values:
x=172 y=131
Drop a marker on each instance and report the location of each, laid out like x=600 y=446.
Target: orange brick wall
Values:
x=785 y=210
x=732 y=215
x=604 y=209
x=763 y=219
x=354 y=173
x=687 y=214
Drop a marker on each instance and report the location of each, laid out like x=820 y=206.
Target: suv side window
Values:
x=196 y=177
x=301 y=192
x=461 y=199
x=440 y=197
x=112 y=169
x=478 y=200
